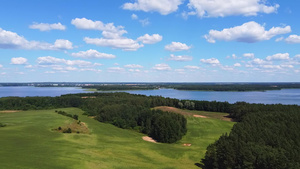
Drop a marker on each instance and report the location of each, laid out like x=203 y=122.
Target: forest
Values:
x=265 y=136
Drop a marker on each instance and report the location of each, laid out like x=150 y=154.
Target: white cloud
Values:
x=223 y=8
x=1 y=66
x=293 y=39
x=133 y=66
x=237 y=65
x=271 y=66
x=11 y=40
x=116 y=69
x=47 y=26
x=279 y=56
x=134 y=17
x=212 y=61
x=249 y=32
x=180 y=58
x=249 y=55
x=28 y=66
x=279 y=39
x=177 y=46
x=161 y=66
x=50 y=61
x=123 y=43
x=93 y=54
x=49 y=72
x=191 y=67
x=144 y=22
x=134 y=70
x=258 y=61
x=164 y=7
x=63 y=44
x=108 y=30
x=297 y=56
x=150 y=39
x=19 y=61
x=227 y=68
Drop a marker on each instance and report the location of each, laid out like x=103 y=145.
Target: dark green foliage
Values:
x=67 y=130
x=75 y=117
x=2 y=125
x=59 y=128
x=263 y=139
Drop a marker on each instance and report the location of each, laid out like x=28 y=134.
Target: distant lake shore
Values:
x=283 y=96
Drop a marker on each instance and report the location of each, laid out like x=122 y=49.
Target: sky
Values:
x=150 y=41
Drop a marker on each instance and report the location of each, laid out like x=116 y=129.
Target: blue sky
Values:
x=149 y=41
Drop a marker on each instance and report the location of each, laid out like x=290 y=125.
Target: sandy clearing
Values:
x=9 y=111
x=187 y=144
x=147 y=138
x=195 y=115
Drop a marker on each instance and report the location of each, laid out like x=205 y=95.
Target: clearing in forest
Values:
x=194 y=113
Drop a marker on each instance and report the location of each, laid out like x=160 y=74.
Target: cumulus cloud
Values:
x=124 y=43
x=93 y=54
x=191 y=67
x=19 y=61
x=258 y=61
x=47 y=26
x=144 y=22
x=223 y=8
x=150 y=39
x=134 y=17
x=293 y=39
x=164 y=7
x=237 y=65
x=113 y=35
x=249 y=55
x=161 y=66
x=133 y=66
x=11 y=40
x=177 y=46
x=116 y=69
x=249 y=32
x=108 y=30
x=180 y=58
x=50 y=61
x=211 y=61
x=279 y=56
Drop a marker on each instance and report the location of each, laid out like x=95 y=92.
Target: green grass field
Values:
x=29 y=141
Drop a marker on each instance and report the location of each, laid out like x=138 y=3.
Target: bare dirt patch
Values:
x=147 y=138
x=187 y=144
x=204 y=114
x=196 y=115
x=9 y=111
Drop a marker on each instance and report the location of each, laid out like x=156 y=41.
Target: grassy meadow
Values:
x=29 y=141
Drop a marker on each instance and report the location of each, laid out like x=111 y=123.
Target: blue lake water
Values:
x=23 y=91
x=285 y=96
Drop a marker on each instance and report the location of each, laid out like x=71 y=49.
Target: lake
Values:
x=284 y=96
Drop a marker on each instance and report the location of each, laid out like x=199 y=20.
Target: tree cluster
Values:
x=267 y=136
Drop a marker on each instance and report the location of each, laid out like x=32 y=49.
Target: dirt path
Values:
x=147 y=138
x=195 y=115
x=9 y=111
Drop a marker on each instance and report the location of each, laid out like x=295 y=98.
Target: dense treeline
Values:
x=39 y=103
x=267 y=136
x=120 y=109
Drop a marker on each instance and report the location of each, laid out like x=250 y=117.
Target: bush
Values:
x=67 y=130
x=2 y=125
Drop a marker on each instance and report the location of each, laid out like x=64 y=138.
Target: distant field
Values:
x=28 y=141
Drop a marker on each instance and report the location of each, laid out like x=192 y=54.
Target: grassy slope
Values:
x=28 y=142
